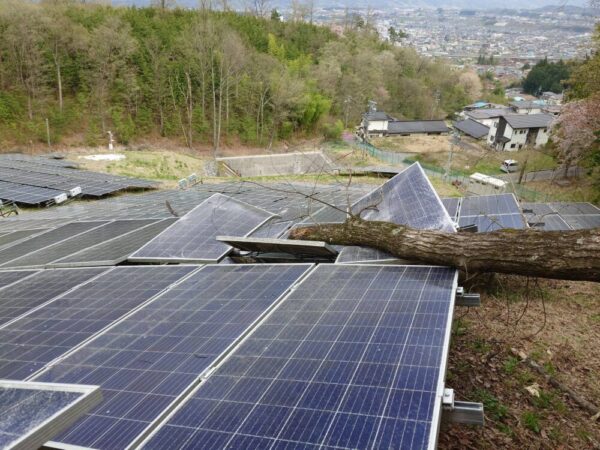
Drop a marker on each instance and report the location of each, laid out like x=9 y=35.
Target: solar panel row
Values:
x=354 y=357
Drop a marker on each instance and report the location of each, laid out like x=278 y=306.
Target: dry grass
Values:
x=557 y=324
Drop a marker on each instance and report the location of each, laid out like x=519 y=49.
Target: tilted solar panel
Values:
x=116 y=250
x=146 y=361
x=82 y=241
x=16 y=236
x=549 y=222
x=452 y=204
x=34 y=340
x=192 y=237
x=31 y=292
x=27 y=195
x=582 y=221
x=32 y=413
x=354 y=357
x=406 y=199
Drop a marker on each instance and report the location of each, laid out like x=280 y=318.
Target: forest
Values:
x=201 y=76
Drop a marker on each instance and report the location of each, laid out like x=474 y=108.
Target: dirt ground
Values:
x=556 y=324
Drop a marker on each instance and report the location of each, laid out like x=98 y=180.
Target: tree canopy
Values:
x=546 y=76
x=200 y=75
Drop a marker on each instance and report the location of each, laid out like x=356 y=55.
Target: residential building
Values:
x=472 y=128
x=527 y=107
x=516 y=131
x=379 y=124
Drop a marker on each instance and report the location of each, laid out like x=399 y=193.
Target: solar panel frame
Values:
x=270 y=245
x=218 y=309
x=79 y=399
x=217 y=392
x=582 y=221
x=151 y=252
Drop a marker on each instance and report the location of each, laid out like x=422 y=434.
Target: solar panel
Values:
x=31 y=342
x=46 y=239
x=36 y=290
x=489 y=204
x=146 y=361
x=79 y=242
x=16 y=236
x=581 y=222
x=493 y=222
x=292 y=247
x=574 y=208
x=353 y=358
x=192 y=238
x=274 y=228
x=538 y=209
x=406 y=199
x=116 y=250
x=355 y=255
x=32 y=413
x=11 y=276
x=549 y=222
x=26 y=195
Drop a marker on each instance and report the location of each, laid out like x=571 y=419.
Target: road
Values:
x=543 y=175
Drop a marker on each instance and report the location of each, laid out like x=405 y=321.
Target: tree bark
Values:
x=566 y=255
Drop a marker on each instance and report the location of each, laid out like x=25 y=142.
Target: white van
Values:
x=509 y=166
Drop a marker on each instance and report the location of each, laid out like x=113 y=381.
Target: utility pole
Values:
x=455 y=139
x=48 y=132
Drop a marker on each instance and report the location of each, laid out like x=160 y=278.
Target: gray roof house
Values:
x=472 y=128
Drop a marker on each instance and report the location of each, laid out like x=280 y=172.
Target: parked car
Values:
x=509 y=166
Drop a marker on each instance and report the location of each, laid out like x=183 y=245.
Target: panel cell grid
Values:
x=31 y=342
x=34 y=291
x=192 y=238
x=144 y=362
x=353 y=358
x=10 y=276
x=354 y=254
x=406 y=199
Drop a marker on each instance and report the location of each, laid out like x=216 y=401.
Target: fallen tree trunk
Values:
x=566 y=255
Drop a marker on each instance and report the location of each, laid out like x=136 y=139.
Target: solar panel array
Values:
x=33 y=180
x=406 y=199
x=192 y=238
x=353 y=358
x=30 y=413
x=146 y=361
x=46 y=333
x=11 y=276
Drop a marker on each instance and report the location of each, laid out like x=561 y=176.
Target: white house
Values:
x=378 y=123
x=375 y=123
x=516 y=131
x=486 y=116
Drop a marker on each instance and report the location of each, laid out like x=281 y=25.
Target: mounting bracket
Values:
x=469 y=413
x=465 y=299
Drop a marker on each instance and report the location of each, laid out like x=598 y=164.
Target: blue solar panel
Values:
x=31 y=342
x=353 y=358
x=493 y=222
x=30 y=413
x=192 y=238
x=406 y=199
x=10 y=276
x=145 y=361
x=36 y=290
x=452 y=205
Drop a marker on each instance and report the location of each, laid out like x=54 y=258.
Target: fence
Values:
x=455 y=176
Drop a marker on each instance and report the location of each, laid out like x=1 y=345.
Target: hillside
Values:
x=199 y=77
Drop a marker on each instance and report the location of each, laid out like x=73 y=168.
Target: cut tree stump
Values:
x=566 y=255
